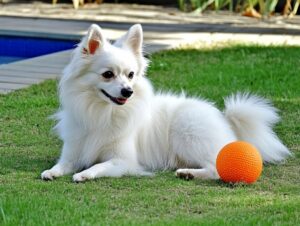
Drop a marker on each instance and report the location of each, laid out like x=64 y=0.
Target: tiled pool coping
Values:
x=22 y=74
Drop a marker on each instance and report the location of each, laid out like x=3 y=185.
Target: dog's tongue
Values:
x=122 y=100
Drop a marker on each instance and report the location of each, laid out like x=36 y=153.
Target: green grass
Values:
x=27 y=147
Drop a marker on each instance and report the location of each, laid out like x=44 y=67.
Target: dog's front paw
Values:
x=184 y=174
x=49 y=174
x=81 y=177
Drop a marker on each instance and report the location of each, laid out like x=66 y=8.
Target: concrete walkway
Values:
x=163 y=27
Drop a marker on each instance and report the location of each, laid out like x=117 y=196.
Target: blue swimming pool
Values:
x=9 y=59
x=13 y=48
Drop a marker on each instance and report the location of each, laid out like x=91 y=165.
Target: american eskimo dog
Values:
x=112 y=123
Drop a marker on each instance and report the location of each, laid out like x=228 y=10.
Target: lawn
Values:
x=27 y=147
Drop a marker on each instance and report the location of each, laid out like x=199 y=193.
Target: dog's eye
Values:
x=130 y=75
x=108 y=74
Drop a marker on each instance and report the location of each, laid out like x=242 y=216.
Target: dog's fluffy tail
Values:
x=252 y=119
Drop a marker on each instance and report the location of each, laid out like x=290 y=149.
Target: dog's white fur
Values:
x=151 y=131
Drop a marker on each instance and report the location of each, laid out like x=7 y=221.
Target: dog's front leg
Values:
x=111 y=168
x=123 y=162
x=66 y=164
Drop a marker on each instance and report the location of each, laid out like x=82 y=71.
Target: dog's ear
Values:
x=133 y=39
x=93 y=40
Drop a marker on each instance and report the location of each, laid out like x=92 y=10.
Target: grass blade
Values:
x=2 y=214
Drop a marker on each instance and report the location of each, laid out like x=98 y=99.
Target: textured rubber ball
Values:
x=239 y=161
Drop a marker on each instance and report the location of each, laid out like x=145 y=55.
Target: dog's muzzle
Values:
x=116 y=100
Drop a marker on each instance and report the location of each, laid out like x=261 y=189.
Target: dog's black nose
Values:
x=126 y=92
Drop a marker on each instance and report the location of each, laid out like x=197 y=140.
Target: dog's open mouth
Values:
x=119 y=101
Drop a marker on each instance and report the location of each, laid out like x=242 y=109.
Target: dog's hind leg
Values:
x=197 y=133
x=197 y=173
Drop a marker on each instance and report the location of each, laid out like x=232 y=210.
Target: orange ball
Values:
x=239 y=161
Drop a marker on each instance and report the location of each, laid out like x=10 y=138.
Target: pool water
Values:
x=9 y=59
x=13 y=48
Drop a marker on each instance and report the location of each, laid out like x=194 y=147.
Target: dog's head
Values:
x=110 y=70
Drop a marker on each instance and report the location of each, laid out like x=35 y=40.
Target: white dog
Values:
x=112 y=124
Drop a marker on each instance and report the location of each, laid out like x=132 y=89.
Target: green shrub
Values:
x=266 y=7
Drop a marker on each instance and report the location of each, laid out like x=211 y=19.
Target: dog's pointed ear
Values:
x=94 y=40
x=133 y=39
